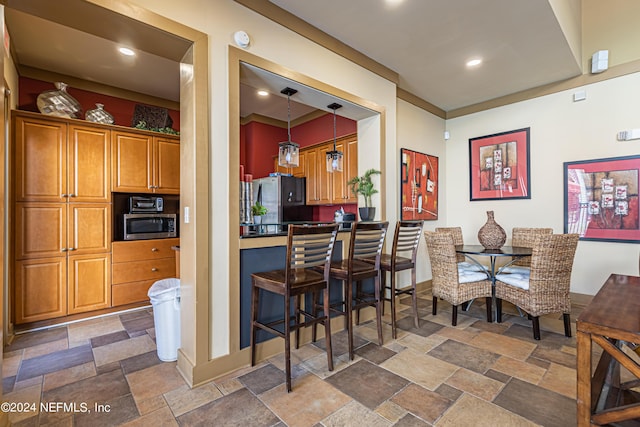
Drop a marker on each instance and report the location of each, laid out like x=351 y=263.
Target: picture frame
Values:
x=499 y=166
x=418 y=186
x=601 y=199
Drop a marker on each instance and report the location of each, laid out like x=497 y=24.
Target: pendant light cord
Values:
x=334 y=130
x=289 y=117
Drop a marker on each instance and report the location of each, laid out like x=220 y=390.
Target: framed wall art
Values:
x=601 y=199
x=499 y=166
x=418 y=185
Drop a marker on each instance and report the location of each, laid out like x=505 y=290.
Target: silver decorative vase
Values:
x=99 y=115
x=59 y=103
x=491 y=235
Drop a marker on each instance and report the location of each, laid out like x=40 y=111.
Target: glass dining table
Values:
x=474 y=252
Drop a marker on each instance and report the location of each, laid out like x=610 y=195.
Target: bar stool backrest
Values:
x=309 y=246
x=367 y=240
x=406 y=240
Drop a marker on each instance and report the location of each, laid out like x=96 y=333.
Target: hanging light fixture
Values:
x=288 y=152
x=334 y=157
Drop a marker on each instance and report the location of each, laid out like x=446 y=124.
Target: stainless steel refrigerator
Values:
x=285 y=200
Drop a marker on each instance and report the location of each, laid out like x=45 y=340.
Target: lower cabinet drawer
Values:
x=128 y=293
x=136 y=271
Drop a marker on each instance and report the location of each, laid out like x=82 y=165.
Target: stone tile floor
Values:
x=475 y=374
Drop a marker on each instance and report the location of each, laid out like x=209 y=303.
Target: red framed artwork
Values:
x=601 y=199
x=418 y=185
x=499 y=166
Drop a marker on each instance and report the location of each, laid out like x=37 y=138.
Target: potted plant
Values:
x=364 y=186
x=258 y=210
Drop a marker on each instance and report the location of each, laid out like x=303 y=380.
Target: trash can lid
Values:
x=164 y=286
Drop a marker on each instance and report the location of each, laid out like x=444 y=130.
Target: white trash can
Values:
x=165 y=299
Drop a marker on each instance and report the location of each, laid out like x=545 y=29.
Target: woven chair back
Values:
x=456 y=233
x=525 y=237
x=552 y=263
x=442 y=255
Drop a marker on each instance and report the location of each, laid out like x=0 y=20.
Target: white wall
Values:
x=420 y=131
x=561 y=131
x=220 y=19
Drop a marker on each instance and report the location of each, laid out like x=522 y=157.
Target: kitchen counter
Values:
x=248 y=231
x=265 y=252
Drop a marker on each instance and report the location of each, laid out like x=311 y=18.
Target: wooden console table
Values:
x=611 y=319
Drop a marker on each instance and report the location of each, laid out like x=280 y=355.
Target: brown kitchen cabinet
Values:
x=88 y=282
x=46 y=288
x=136 y=265
x=341 y=190
x=51 y=161
x=324 y=188
x=311 y=168
x=62 y=217
x=53 y=229
x=61 y=249
x=40 y=289
x=144 y=163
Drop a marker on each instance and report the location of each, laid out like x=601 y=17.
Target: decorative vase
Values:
x=59 y=103
x=99 y=115
x=367 y=214
x=491 y=235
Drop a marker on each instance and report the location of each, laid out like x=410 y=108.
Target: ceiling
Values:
x=426 y=42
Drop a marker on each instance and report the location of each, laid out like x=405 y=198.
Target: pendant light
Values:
x=288 y=152
x=334 y=157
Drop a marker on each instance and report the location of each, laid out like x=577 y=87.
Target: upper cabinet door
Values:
x=132 y=162
x=350 y=168
x=89 y=164
x=167 y=166
x=41 y=160
x=311 y=168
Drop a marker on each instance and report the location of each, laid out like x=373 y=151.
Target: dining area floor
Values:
x=107 y=373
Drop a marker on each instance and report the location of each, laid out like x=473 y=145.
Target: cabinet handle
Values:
x=64 y=195
x=63 y=250
x=154 y=269
x=72 y=195
x=154 y=249
x=72 y=249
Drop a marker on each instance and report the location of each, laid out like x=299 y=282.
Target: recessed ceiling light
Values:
x=393 y=2
x=263 y=93
x=126 y=51
x=474 y=62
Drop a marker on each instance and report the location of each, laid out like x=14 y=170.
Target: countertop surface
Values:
x=249 y=231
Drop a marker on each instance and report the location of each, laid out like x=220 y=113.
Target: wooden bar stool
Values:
x=307 y=248
x=367 y=239
x=402 y=257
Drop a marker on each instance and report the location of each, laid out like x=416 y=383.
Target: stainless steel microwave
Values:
x=141 y=226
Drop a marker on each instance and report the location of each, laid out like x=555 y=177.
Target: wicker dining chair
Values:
x=456 y=233
x=524 y=237
x=545 y=289
x=451 y=283
x=307 y=248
